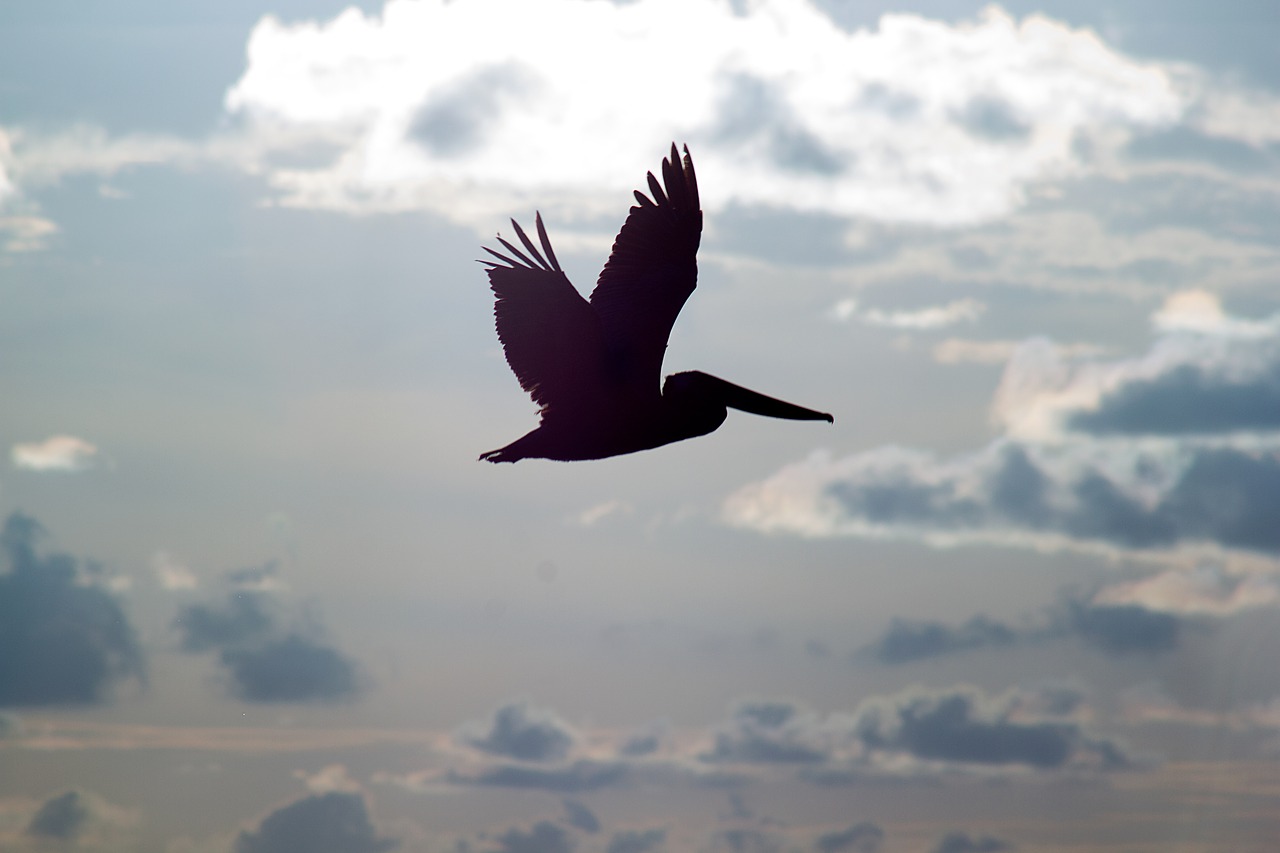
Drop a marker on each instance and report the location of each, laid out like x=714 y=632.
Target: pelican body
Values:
x=593 y=366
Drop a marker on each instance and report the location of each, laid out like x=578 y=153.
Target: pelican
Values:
x=593 y=366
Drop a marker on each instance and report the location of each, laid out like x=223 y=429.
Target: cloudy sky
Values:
x=257 y=593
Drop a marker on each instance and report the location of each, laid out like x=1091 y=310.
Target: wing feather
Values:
x=551 y=336
x=650 y=273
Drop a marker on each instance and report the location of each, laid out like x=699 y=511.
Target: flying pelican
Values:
x=593 y=367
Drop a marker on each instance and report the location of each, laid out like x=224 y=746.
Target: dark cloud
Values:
x=907 y=641
x=335 y=822
x=62 y=817
x=291 y=669
x=959 y=727
x=576 y=778
x=862 y=837
x=1187 y=400
x=959 y=842
x=244 y=618
x=453 y=121
x=265 y=661
x=1221 y=495
x=637 y=841
x=768 y=732
x=642 y=743
x=543 y=837
x=62 y=640
x=580 y=817
x=525 y=733
x=1125 y=627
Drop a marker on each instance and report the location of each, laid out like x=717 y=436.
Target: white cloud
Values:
x=1206 y=589
x=171 y=573
x=1200 y=312
x=56 y=453
x=332 y=777
x=921 y=319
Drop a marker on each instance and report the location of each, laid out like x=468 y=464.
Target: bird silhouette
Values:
x=593 y=366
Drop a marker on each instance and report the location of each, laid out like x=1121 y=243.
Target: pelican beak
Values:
x=745 y=400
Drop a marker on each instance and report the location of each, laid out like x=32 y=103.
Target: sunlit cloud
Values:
x=56 y=453
x=171 y=573
x=1206 y=590
x=920 y=319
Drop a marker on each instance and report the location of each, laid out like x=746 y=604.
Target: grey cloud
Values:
x=862 y=837
x=753 y=109
x=254 y=576
x=637 y=841
x=265 y=661
x=959 y=842
x=768 y=733
x=580 y=817
x=293 y=668
x=335 y=822
x=1184 y=143
x=62 y=641
x=525 y=733
x=245 y=617
x=1125 y=627
x=453 y=121
x=1187 y=400
x=993 y=118
x=62 y=817
x=907 y=641
x=959 y=726
x=575 y=778
x=543 y=837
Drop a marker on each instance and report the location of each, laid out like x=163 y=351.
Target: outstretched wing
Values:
x=550 y=334
x=650 y=273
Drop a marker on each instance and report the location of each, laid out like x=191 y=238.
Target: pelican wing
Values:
x=650 y=273
x=550 y=334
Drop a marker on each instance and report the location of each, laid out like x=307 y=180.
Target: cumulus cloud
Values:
x=56 y=453
x=266 y=660
x=771 y=732
x=426 y=105
x=580 y=817
x=1121 y=628
x=520 y=731
x=1176 y=451
x=61 y=817
x=1206 y=590
x=63 y=638
x=337 y=822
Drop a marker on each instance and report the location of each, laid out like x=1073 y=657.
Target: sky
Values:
x=258 y=594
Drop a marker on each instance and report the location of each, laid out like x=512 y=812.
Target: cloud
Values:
x=332 y=777
x=959 y=842
x=56 y=453
x=428 y=106
x=25 y=233
x=266 y=661
x=906 y=641
x=962 y=726
x=862 y=837
x=293 y=668
x=542 y=837
x=61 y=817
x=172 y=574
x=770 y=733
x=1206 y=590
x=580 y=817
x=637 y=841
x=921 y=319
x=63 y=638
x=575 y=777
x=335 y=822
x=520 y=731
x=1121 y=628
x=1174 y=451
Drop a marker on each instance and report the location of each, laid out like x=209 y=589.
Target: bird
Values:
x=593 y=366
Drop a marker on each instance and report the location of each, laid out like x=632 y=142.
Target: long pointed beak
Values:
x=746 y=400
